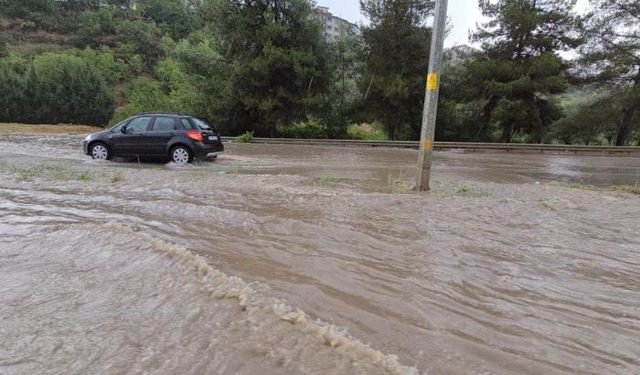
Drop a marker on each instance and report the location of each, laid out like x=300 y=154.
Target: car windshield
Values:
x=118 y=126
x=203 y=125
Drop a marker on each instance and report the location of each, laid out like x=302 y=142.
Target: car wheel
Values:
x=100 y=151
x=181 y=155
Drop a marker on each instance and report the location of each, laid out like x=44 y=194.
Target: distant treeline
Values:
x=265 y=66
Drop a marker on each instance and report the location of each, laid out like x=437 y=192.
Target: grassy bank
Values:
x=11 y=128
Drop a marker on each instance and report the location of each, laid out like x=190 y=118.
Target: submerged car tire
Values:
x=100 y=151
x=181 y=155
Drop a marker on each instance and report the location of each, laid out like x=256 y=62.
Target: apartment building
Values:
x=335 y=28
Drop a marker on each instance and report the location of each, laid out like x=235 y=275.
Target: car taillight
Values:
x=195 y=135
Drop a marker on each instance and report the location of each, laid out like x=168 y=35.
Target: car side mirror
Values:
x=123 y=130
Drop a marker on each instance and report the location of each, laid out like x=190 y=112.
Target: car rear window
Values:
x=188 y=125
x=164 y=124
x=203 y=125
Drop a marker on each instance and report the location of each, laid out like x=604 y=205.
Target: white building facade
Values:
x=334 y=27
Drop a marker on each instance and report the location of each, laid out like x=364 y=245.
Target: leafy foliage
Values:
x=173 y=17
x=96 y=24
x=263 y=66
x=145 y=95
x=145 y=38
x=611 y=57
x=246 y=137
x=367 y=132
x=312 y=128
x=55 y=88
x=277 y=68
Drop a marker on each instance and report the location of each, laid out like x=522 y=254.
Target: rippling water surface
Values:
x=252 y=265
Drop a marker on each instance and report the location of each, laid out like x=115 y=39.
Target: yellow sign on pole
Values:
x=432 y=81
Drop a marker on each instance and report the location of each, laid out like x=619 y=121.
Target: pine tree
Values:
x=276 y=62
x=521 y=68
x=395 y=59
x=611 y=58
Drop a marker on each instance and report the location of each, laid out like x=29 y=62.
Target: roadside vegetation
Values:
x=399 y=185
x=40 y=129
x=54 y=172
x=367 y=132
x=265 y=67
x=246 y=137
x=631 y=189
x=327 y=181
x=117 y=177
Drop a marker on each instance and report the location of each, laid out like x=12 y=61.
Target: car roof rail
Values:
x=163 y=114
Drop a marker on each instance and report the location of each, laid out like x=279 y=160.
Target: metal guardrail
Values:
x=506 y=147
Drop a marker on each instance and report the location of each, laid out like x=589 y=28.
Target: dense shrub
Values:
x=312 y=128
x=13 y=89
x=145 y=37
x=66 y=89
x=56 y=88
x=246 y=137
x=367 y=132
x=145 y=95
x=112 y=69
x=94 y=25
x=173 y=16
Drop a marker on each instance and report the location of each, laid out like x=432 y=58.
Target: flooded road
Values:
x=285 y=259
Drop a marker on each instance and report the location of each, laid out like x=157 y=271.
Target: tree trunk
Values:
x=624 y=129
x=487 y=109
x=507 y=133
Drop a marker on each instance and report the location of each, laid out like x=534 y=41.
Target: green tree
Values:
x=611 y=58
x=344 y=58
x=145 y=37
x=591 y=117
x=460 y=107
x=185 y=95
x=521 y=68
x=276 y=58
x=26 y=9
x=95 y=24
x=172 y=16
x=112 y=69
x=396 y=54
x=204 y=72
x=145 y=95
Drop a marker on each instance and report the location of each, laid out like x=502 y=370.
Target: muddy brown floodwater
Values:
x=286 y=260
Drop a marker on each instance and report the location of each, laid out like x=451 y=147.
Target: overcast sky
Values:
x=464 y=14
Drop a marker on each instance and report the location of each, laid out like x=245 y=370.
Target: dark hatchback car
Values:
x=179 y=138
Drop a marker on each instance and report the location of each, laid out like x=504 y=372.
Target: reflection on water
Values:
x=97 y=276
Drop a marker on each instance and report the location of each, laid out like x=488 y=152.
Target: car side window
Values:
x=138 y=125
x=164 y=124
x=187 y=124
x=118 y=127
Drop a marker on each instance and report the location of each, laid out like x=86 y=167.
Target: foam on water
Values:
x=252 y=331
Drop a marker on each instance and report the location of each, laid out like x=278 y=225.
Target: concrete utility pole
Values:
x=431 y=97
